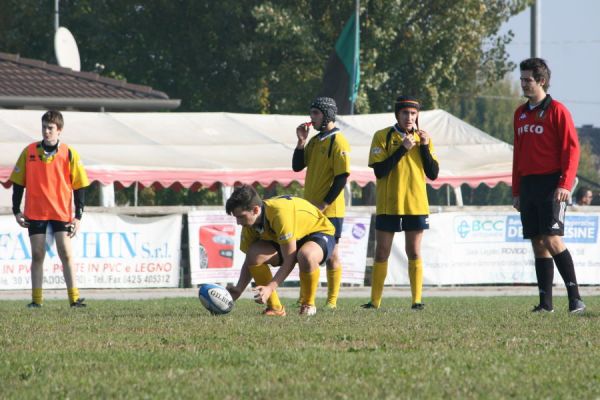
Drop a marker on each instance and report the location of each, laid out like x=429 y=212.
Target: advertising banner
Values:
x=353 y=248
x=488 y=247
x=215 y=256
x=109 y=251
x=213 y=238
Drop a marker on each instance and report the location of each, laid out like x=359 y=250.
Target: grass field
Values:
x=168 y=349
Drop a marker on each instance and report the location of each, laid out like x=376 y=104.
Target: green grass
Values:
x=172 y=348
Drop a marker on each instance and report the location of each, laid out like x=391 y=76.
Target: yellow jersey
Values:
x=403 y=191
x=326 y=157
x=284 y=219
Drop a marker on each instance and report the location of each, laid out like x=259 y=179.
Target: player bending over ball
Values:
x=280 y=232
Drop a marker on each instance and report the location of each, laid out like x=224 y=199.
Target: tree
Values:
x=266 y=56
x=491 y=110
x=588 y=164
x=435 y=49
x=269 y=56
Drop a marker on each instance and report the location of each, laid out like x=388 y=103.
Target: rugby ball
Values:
x=216 y=299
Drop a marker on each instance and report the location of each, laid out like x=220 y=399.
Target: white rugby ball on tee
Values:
x=215 y=298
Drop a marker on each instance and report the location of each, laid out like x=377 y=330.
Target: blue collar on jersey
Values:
x=399 y=130
x=259 y=225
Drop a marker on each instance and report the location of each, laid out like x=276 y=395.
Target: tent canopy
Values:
x=191 y=149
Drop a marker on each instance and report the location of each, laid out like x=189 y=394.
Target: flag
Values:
x=342 y=74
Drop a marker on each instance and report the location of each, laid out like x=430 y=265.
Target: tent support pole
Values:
x=226 y=192
x=348 y=194
x=107 y=195
x=458 y=196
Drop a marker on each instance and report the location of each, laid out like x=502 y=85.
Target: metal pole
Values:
x=536 y=28
x=357 y=41
x=56 y=15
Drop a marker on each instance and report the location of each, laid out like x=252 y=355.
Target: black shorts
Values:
x=541 y=214
x=401 y=223
x=339 y=225
x=39 y=227
x=326 y=242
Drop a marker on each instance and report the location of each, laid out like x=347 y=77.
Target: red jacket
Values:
x=545 y=143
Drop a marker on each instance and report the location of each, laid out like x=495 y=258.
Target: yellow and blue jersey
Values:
x=326 y=157
x=284 y=219
x=403 y=191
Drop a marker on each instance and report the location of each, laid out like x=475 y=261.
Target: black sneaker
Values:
x=576 y=306
x=34 y=305
x=369 y=305
x=418 y=306
x=542 y=309
x=79 y=303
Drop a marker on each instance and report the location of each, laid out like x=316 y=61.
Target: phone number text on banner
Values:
x=109 y=251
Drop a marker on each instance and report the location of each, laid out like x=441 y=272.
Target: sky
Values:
x=570 y=43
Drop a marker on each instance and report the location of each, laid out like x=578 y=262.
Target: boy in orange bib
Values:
x=51 y=175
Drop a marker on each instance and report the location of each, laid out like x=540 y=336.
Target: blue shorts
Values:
x=326 y=242
x=401 y=223
x=339 y=224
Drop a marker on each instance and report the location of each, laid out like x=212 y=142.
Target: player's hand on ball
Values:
x=234 y=292
x=262 y=294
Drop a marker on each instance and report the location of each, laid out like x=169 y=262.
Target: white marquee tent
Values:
x=204 y=149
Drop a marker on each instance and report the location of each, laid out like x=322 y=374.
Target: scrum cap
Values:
x=406 y=102
x=329 y=109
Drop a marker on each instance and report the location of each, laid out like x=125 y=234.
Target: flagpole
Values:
x=356 y=41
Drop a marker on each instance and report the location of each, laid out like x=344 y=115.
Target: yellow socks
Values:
x=334 y=279
x=302 y=296
x=73 y=295
x=262 y=276
x=310 y=282
x=305 y=283
x=415 y=273
x=37 y=296
x=377 y=281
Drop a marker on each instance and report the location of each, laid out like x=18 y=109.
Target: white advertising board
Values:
x=488 y=247
x=214 y=242
x=110 y=251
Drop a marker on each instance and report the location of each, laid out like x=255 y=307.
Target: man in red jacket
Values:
x=545 y=160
